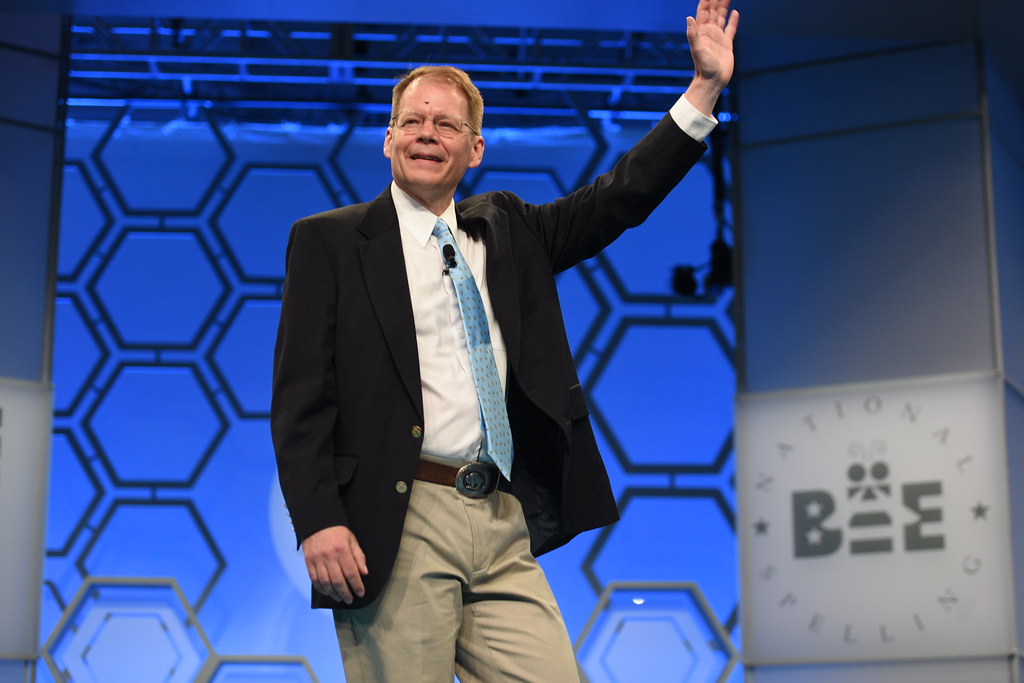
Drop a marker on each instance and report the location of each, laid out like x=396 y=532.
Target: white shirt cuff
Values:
x=692 y=122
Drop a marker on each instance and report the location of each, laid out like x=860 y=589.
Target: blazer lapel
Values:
x=388 y=286
x=501 y=281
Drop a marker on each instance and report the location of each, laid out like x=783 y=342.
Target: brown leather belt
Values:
x=473 y=480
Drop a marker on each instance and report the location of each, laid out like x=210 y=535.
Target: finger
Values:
x=320 y=577
x=734 y=23
x=328 y=590
x=359 y=557
x=355 y=568
x=691 y=30
x=339 y=583
x=354 y=581
x=707 y=11
x=722 y=12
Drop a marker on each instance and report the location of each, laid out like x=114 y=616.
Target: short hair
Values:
x=453 y=76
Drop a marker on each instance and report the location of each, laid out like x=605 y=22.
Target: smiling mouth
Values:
x=426 y=157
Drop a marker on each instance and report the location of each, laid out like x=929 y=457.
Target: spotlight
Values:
x=720 y=275
x=684 y=281
x=715 y=276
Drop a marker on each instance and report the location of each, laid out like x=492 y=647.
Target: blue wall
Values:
x=170 y=269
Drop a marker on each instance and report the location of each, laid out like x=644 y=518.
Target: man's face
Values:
x=425 y=164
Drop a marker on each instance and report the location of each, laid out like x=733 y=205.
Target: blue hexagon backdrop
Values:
x=169 y=552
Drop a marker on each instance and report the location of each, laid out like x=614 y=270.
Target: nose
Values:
x=430 y=136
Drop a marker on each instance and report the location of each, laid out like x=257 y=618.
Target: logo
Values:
x=874 y=522
x=874 y=502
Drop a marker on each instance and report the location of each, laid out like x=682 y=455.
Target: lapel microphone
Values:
x=448 y=251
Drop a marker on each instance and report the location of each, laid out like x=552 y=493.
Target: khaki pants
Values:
x=466 y=597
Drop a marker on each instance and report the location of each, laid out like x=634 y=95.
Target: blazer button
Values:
x=416 y=431
x=401 y=487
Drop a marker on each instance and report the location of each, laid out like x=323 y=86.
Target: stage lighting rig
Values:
x=708 y=280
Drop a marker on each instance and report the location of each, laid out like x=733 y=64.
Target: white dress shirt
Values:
x=451 y=413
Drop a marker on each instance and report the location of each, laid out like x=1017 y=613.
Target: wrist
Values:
x=703 y=94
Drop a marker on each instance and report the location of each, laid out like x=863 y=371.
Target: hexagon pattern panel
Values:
x=169 y=553
x=143 y=626
x=671 y=619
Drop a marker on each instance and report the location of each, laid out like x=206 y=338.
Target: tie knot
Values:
x=440 y=228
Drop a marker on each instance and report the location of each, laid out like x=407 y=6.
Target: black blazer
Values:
x=347 y=410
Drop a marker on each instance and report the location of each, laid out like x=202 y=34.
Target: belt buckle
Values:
x=476 y=480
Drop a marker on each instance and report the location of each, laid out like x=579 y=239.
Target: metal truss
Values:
x=320 y=73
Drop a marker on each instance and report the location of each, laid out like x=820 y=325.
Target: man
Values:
x=431 y=433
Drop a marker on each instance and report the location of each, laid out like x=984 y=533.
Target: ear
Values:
x=477 y=153
x=388 y=141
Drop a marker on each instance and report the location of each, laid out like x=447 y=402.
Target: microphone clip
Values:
x=448 y=252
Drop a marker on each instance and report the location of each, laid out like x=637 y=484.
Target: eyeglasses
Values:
x=445 y=125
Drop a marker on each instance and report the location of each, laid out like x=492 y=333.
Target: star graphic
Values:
x=814 y=537
x=980 y=511
x=761 y=527
x=813 y=509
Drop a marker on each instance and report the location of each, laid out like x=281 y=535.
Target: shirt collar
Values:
x=416 y=219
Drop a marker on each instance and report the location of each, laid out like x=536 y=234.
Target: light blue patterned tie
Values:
x=493 y=414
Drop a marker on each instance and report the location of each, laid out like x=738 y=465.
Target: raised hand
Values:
x=711 y=36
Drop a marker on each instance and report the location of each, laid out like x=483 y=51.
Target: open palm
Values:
x=711 y=36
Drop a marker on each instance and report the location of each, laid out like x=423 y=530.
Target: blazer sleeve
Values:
x=581 y=224
x=304 y=402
